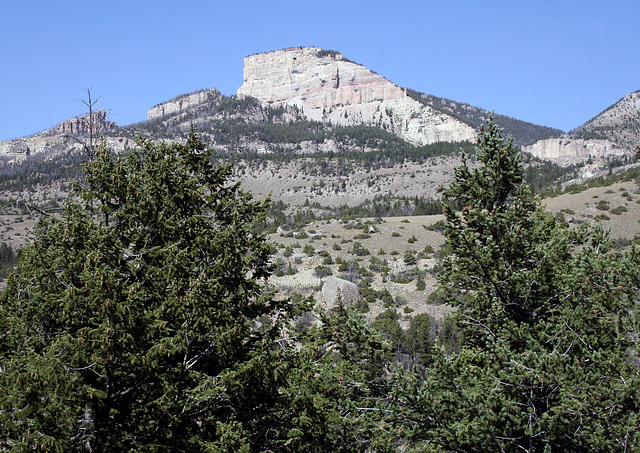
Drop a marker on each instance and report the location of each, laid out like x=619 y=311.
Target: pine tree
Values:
x=137 y=320
x=338 y=391
x=548 y=317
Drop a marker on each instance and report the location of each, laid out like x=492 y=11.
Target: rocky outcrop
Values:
x=80 y=125
x=67 y=135
x=183 y=102
x=567 y=150
x=613 y=133
x=619 y=123
x=336 y=290
x=327 y=87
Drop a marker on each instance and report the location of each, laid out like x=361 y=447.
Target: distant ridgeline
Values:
x=312 y=104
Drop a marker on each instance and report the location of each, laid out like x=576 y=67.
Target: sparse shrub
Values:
x=621 y=243
x=359 y=250
x=322 y=271
x=362 y=306
x=436 y=226
x=410 y=258
x=426 y=251
x=619 y=210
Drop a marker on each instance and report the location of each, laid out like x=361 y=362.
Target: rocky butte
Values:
x=329 y=88
x=613 y=133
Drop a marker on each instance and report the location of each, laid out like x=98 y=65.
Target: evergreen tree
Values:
x=137 y=320
x=549 y=323
x=339 y=392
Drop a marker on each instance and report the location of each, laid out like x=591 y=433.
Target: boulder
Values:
x=335 y=290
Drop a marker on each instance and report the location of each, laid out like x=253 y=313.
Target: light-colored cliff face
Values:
x=67 y=135
x=569 y=150
x=326 y=87
x=613 y=133
x=181 y=103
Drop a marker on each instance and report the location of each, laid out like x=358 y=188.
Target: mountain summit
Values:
x=327 y=87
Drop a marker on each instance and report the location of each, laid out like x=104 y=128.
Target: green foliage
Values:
x=618 y=210
x=322 y=271
x=309 y=250
x=549 y=322
x=600 y=217
x=419 y=339
x=8 y=259
x=359 y=250
x=339 y=389
x=386 y=323
x=137 y=320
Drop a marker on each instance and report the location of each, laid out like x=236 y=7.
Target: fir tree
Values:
x=137 y=320
x=549 y=321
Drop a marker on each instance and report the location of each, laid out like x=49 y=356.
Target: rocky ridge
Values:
x=619 y=123
x=614 y=133
x=183 y=102
x=65 y=136
x=323 y=86
x=329 y=88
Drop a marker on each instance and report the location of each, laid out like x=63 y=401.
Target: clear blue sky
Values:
x=555 y=63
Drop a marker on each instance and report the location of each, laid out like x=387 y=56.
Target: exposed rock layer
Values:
x=66 y=136
x=327 y=87
x=570 y=150
x=184 y=102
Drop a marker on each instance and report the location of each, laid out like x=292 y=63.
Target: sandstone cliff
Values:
x=327 y=87
x=613 y=133
x=568 y=150
x=65 y=136
x=184 y=102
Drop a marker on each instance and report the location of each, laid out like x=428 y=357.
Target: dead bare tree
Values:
x=91 y=123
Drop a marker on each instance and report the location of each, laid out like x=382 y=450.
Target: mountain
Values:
x=65 y=136
x=619 y=123
x=614 y=133
x=306 y=100
x=326 y=87
x=523 y=133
